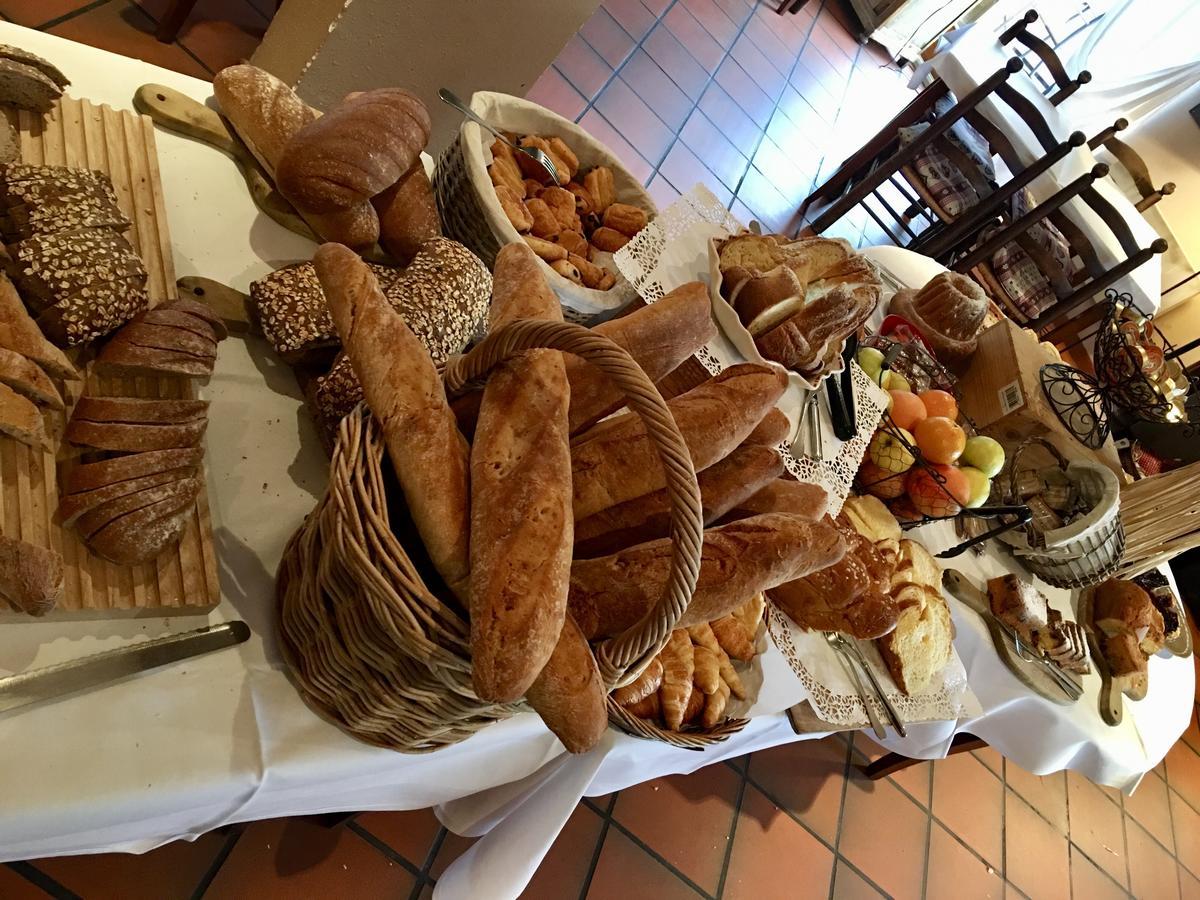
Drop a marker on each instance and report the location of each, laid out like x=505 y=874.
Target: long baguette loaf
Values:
x=723 y=485
x=616 y=461
x=568 y=693
x=659 y=337
x=266 y=113
x=403 y=390
x=738 y=561
x=772 y=430
x=796 y=498
x=408 y=215
x=31 y=577
x=520 y=495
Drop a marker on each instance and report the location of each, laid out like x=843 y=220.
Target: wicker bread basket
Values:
x=376 y=650
x=471 y=213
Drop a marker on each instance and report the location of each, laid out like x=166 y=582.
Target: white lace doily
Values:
x=673 y=250
x=833 y=696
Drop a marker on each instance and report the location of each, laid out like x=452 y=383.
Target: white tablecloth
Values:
x=970 y=59
x=224 y=738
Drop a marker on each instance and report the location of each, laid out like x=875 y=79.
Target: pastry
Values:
x=402 y=387
x=31 y=577
x=733 y=637
x=520 y=495
x=738 y=560
x=641 y=687
x=678 y=664
x=356 y=150
x=615 y=460
x=702 y=635
x=706 y=672
x=949 y=312
x=624 y=219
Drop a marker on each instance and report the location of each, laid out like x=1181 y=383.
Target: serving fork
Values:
x=852 y=653
x=538 y=155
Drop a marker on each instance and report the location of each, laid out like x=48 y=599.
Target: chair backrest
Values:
x=1063 y=84
x=1132 y=162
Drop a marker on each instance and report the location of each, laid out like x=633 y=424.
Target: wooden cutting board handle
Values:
x=1110 y=702
x=179 y=112
x=231 y=305
x=170 y=109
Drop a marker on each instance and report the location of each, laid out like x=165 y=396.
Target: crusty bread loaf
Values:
x=659 y=337
x=20 y=419
x=358 y=149
x=772 y=431
x=200 y=311
x=408 y=214
x=403 y=390
x=738 y=560
x=28 y=380
x=177 y=494
x=520 y=495
x=127 y=438
x=47 y=68
x=796 y=498
x=31 y=577
x=135 y=410
x=72 y=506
x=19 y=333
x=568 y=693
x=89 y=476
x=919 y=647
x=616 y=461
x=142 y=535
x=723 y=485
x=25 y=87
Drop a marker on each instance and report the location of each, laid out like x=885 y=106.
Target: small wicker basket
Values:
x=373 y=649
x=1088 y=550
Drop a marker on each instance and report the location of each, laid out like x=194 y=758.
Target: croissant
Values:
x=676 y=690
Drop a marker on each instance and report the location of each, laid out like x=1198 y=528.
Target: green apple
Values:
x=870 y=361
x=889 y=452
x=980 y=485
x=984 y=454
x=894 y=381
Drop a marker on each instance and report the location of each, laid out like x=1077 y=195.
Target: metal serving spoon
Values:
x=542 y=159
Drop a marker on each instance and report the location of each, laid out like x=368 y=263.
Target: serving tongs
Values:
x=840 y=388
x=852 y=655
x=1021 y=514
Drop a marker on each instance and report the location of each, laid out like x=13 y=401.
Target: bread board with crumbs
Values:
x=79 y=134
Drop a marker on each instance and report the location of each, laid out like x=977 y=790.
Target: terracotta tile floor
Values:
x=754 y=106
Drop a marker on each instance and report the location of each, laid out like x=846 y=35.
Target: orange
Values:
x=940 y=403
x=907 y=409
x=940 y=440
x=879 y=481
x=938 y=491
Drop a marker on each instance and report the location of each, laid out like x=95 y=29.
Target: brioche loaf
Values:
x=520 y=495
x=31 y=577
x=355 y=151
x=615 y=460
x=659 y=337
x=568 y=693
x=723 y=485
x=738 y=560
x=404 y=392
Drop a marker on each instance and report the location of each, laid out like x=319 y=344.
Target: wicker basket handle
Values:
x=1014 y=467
x=632 y=648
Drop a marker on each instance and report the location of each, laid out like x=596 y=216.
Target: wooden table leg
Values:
x=173 y=19
x=891 y=763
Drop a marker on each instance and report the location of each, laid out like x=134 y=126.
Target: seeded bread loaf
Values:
x=93 y=311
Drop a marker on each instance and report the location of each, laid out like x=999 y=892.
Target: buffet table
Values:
x=225 y=738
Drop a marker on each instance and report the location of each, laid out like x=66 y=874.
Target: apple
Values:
x=894 y=381
x=889 y=453
x=880 y=482
x=870 y=361
x=984 y=454
x=980 y=487
x=938 y=491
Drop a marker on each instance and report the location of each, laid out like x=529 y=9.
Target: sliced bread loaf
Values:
x=89 y=476
x=25 y=87
x=20 y=419
x=26 y=378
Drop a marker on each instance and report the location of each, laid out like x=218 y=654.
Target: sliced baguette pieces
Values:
x=27 y=379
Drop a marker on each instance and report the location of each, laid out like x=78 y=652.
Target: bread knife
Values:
x=102 y=669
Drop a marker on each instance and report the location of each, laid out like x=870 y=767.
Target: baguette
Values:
x=723 y=486
x=521 y=522
x=796 y=498
x=403 y=390
x=659 y=337
x=408 y=215
x=568 y=693
x=31 y=577
x=616 y=460
x=772 y=431
x=610 y=594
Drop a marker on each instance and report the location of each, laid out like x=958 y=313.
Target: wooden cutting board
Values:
x=121 y=144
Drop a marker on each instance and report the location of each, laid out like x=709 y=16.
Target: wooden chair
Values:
x=1063 y=85
x=1132 y=163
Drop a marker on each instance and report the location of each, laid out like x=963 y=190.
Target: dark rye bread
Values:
x=27 y=379
x=47 y=68
x=93 y=311
x=142 y=535
x=93 y=475
x=19 y=333
x=72 y=506
x=181 y=491
x=26 y=87
x=73 y=182
x=127 y=438
x=68 y=213
x=66 y=247
x=43 y=288
x=135 y=411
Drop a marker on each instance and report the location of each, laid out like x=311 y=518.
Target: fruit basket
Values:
x=926 y=460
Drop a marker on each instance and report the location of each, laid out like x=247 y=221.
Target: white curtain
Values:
x=1141 y=54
